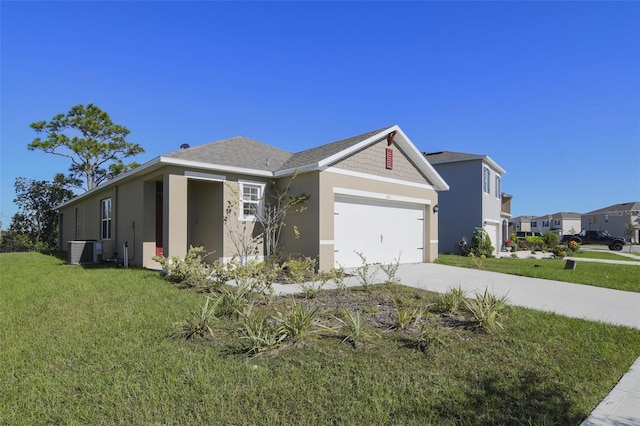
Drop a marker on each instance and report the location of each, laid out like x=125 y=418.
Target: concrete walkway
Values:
x=622 y=406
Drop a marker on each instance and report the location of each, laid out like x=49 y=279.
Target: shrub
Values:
x=551 y=239
x=391 y=270
x=366 y=272
x=559 y=252
x=481 y=243
x=190 y=271
x=573 y=247
x=534 y=242
x=299 y=269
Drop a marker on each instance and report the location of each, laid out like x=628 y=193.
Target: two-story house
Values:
x=474 y=200
x=562 y=223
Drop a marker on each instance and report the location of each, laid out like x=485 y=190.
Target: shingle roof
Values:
x=314 y=155
x=247 y=153
x=443 y=157
x=238 y=151
x=450 y=156
x=633 y=205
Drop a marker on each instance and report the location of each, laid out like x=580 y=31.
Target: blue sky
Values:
x=549 y=90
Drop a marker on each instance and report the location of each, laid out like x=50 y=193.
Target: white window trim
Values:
x=498 y=185
x=103 y=219
x=486 y=180
x=260 y=203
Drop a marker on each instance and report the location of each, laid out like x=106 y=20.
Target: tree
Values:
x=95 y=145
x=35 y=225
x=274 y=215
x=630 y=231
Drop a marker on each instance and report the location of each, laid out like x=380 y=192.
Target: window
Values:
x=486 y=183
x=545 y=223
x=557 y=222
x=105 y=214
x=534 y=224
x=251 y=200
x=497 y=186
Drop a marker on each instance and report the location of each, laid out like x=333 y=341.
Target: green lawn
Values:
x=619 y=277
x=90 y=346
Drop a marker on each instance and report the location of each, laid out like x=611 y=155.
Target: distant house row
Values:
x=614 y=219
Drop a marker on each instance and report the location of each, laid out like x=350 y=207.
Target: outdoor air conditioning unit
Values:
x=85 y=252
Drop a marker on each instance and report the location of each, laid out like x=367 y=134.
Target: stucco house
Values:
x=614 y=219
x=562 y=223
x=475 y=199
x=520 y=224
x=372 y=194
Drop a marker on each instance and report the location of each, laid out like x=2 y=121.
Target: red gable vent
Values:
x=389 y=158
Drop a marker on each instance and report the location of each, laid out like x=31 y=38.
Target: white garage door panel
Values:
x=381 y=230
x=492 y=232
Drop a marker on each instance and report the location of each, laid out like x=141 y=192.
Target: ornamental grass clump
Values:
x=300 y=322
x=200 y=323
x=259 y=333
x=488 y=310
x=357 y=333
x=453 y=300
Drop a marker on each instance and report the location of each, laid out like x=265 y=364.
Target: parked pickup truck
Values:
x=596 y=237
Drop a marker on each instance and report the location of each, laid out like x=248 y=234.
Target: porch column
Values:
x=175 y=215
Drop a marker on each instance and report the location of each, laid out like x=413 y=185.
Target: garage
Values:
x=492 y=232
x=379 y=229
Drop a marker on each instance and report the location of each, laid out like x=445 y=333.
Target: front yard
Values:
x=618 y=277
x=91 y=346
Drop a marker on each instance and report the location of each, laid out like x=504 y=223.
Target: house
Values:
x=615 y=219
x=475 y=199
x=372 y=194
x=520 y=224
x=562 y=223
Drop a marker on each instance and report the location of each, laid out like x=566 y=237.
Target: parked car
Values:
x=596 y=237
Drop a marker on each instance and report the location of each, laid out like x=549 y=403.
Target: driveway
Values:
x=572 y=300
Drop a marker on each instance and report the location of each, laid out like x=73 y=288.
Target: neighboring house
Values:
x=520 y=224
x=614 y=219
x=562 y=223
x=372 y=194
x=475 y=199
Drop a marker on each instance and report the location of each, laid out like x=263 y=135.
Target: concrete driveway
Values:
x=572 y=300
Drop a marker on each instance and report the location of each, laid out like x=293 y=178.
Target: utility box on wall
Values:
x=84 y=252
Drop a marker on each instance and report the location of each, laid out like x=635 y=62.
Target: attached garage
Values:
x=492 y=232
x=380 y=230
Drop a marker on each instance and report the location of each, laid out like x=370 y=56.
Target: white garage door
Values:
x=492 y=232
x=381 y=230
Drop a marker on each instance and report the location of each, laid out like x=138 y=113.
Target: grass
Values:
x=604 y=255
x=91 y=346
x=614 y=276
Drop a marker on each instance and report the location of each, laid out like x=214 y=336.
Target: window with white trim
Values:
x=497 y=188
x=251 y=200
x=105 y=219
x=486 y=182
